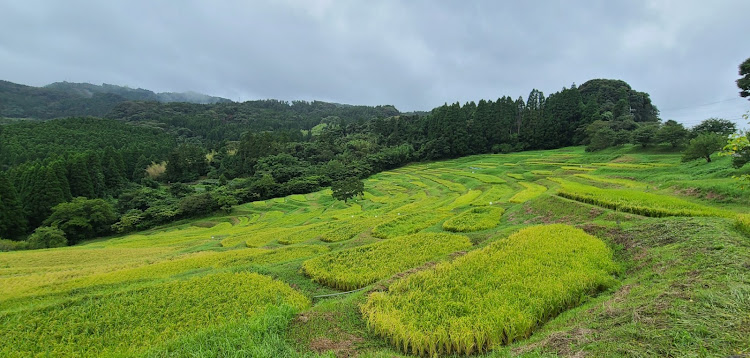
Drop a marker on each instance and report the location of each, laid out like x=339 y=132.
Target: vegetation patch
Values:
x=621 y=182
x=541 y=172
x=360 y=266
x=407 y=224
x=126 y=323
x=484 y=178
x=465 y=199
x=636 y=202
x=475 y=219
x=579 y=169
x=492 y=296
x=515 y=176
x=532 y=191
x=495 y=194
x=742 y=223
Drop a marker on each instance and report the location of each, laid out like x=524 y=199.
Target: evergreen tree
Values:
x=12 y=217
x=79 y=178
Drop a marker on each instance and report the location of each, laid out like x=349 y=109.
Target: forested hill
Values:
x=65 y=99
x=152 y=163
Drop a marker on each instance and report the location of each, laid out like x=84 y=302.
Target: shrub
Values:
x=494 y=295
x=11 y=245
x=47 y=237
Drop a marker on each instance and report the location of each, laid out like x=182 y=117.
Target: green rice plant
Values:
x=484 y=178
x=347 y=230
x=510 y=164
x=636 y=202
x=579 y=169
x=305 y=233
x=623 y=165
x=492 y=296
x=541 y=172
x=298 y=197
x=465 y=199
x=515 y=176
x=621 y=182
x=418 y=183
x=532 y=191
x=495 y=194
x=127 y=323
x=376 y=199
x=742 y=223
x=407 y=224
x=540 y=162
x=278 y=200
x=475 y=219
x=452 y=186
x=360 y=266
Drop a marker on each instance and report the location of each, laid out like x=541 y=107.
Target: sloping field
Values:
x=265 y=280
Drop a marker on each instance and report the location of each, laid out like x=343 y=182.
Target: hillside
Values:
x=621 y=252
x=65 y=99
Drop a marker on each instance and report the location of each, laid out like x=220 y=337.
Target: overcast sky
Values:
x=415 y=55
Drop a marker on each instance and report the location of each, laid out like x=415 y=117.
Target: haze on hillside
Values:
x=414 y=55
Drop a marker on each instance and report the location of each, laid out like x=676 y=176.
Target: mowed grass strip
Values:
x=407 y=224
x=475 y=219
x=360 y=266
x=636 y=202
x=531 y=191
x=492 y=296
x=128 y=323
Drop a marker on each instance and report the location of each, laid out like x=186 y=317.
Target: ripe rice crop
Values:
x=474 y=219
x=510 y=164
x=407 y=224
x=492 y=296
x=621 y=182
x=515 y=176
x=636 y=202
x=348 y=230
x=541 y=172
x=127 y=323
x=465 y=199
x=496 y=193
x=304 y=233
x=298 y=197
x=360 y=266
x=532 y=191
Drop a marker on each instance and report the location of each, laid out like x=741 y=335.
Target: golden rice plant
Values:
x=407 y=224
x=360 y=266
x=616 y=181
x=347 y=230
x=495 y=194
x=635 y=201
x=475 y=219
x=492 y=296
x=484 y=178
x=532 y=191
x=515 y=176
x=465 y=199
x=541 y=172
x=452 y=186
x=127 y=323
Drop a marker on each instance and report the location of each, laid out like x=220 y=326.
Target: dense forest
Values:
x=65 y=99
x=146 y=163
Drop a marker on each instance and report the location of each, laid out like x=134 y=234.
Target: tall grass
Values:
x=492 y=296
x=360 y=266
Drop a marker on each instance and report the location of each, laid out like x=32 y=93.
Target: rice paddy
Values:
x=494 y=295
x=438 y=292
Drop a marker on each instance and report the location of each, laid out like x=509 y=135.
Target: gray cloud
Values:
x=413 y=54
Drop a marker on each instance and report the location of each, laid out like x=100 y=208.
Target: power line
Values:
x=700 y=105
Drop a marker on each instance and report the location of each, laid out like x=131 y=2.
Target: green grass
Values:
x=360 y=266
x=475 y=219
x=492 y=296
x=531 y=191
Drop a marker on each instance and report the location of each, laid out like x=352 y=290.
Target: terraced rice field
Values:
x=426 y=289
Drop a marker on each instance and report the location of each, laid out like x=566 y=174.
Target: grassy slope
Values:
x=686 y=290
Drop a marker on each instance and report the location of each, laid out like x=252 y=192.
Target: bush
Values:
x=11 y=245
x=47 y=237
x=198 y=204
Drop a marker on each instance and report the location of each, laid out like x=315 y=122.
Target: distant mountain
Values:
x=66 y=99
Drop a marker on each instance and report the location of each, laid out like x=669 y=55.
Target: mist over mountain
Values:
x=66 y=99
